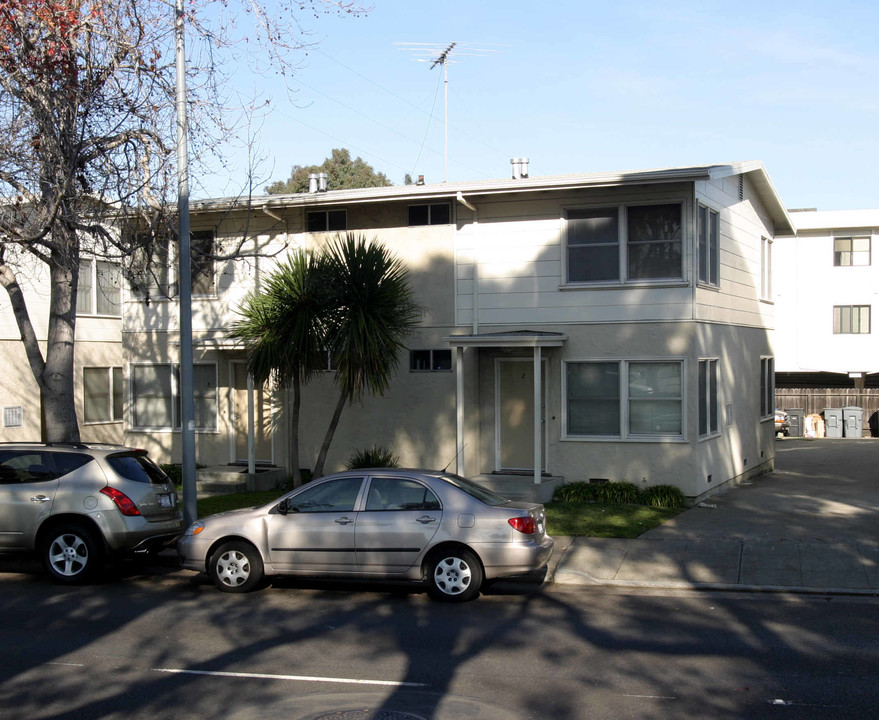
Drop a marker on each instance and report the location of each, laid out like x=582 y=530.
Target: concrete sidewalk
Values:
x=811 y=526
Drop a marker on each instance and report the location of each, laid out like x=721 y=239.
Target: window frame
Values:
x=434 y=364
x=173 y=399
x=202 y=264
x=94 y=287
x=765 y=268
x=309 y=214
x=624 y=244
x=844 y=315
x=839 y=255
x=115 y=405
x=708 y=380
x=708 y=245
x=767 y=387
x=430 y=211
x=625 y=400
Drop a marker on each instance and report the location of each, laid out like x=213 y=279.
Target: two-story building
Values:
x=599 y=326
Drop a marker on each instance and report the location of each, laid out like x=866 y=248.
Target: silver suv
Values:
x=77 y=503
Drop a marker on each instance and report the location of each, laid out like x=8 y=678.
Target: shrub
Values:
x=375 y=456
x=173 y=471
x=618 y=493
x=663 y=496
x=578 y=492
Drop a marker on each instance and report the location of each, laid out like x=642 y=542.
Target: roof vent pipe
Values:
x=312 y=182
x=520 y=168
x=322 y=181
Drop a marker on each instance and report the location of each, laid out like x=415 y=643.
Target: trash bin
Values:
x=795 y=416
x=853 y=422
x=833 y=422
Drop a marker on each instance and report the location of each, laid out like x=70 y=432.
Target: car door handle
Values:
x=40 y=499
x=424 y=519
x=344 y=521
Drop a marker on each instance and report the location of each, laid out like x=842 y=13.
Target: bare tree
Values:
x=86 y=141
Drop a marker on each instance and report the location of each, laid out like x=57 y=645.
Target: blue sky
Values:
x=590 y=86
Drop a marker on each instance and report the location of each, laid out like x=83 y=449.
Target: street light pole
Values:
x=187 y=401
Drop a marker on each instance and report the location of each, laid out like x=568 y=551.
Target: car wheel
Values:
x=236 y=567
x=454 y=575
x=71 y=553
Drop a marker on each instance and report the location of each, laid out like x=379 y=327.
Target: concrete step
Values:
x=521 y=486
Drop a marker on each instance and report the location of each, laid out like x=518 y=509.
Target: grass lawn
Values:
x=588 y=520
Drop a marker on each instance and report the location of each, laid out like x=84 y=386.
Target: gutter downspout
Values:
x=472 y=208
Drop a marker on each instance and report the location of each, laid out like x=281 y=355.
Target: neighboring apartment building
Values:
x=826 y=285
x=597 y=326
x=604 y=326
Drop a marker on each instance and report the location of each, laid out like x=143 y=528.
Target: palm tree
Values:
x=373 y=311
x=283 y=327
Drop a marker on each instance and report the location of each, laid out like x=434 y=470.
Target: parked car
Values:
x=78 y=503
x=417 y=525
x=782 y=423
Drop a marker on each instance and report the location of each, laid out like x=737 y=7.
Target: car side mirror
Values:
x=284 y=506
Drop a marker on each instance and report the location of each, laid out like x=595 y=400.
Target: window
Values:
x=331 y=496
x=326 y=220
x=766 y=268
x=708 y=398
x=102 y=394
x=709 y=246
x=30 y=466
x=624 y=398
x=651 y=236
x=155 y=393
x=593 y=245
x=150 y=268
x=851 y=251
x=430 y=360
x=201 y=270
x=99 y=289
x=400 y=494
x=851 y=319
x=435 y=214
x=767 y=387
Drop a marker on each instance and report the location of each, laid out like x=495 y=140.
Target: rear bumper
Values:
x=508 y=559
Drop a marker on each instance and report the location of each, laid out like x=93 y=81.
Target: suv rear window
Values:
x=137 y=467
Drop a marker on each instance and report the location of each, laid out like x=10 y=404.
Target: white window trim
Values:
x=852 y=236
x=93 y=299
x=625 y=436
x=113 y=419
x=767 y=375
x=715 y=362
x=713 y=260
x=623 y=246
x=766 y=268
x=175 y=393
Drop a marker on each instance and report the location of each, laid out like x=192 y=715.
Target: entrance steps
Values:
x=229 y=479
x=520 y=486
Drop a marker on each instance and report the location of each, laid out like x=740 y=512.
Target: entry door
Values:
x=516 y=414
x=262 y=417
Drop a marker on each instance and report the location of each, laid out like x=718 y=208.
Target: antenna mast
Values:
x=442 y=59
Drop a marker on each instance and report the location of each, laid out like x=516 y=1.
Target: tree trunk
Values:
x=328 y=438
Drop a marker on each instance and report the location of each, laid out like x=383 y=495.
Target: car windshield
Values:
x=481 y=493
x=137 y=467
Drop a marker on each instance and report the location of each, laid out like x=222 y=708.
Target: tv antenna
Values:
x=436 y=55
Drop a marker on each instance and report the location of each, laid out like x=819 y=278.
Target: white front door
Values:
x=515 y=413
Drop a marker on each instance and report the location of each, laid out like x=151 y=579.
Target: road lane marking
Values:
x=302 y=678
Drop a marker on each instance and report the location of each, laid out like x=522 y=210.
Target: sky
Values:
x=583 y=86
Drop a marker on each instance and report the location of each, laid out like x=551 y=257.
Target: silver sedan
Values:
x=419 y=525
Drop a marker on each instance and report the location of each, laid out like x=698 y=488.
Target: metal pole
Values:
x=446 y=121
x=187 y=401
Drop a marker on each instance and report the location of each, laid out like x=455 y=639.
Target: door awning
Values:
x=515 y=338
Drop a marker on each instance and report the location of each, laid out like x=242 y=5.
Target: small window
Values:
x=202 y=264
x=400 y=494
x=102 y=394
x=765 y=268
x=430 y=360
x=708 y=421
x=767 y=387
x=326 y=220
x=851 y=319
x=137 y=467
x=434 y=214
x=331 y=496
x=851 y=251
x=709 y=246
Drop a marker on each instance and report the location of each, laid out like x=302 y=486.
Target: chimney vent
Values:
x=312 y=182
x=322 y=181
x=420 y=180
x=520 y=168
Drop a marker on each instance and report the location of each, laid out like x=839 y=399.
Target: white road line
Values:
x=302 y=678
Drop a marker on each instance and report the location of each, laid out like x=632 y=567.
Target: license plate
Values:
x=166 y=501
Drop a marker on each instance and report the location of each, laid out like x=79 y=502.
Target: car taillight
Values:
x=123 y=502
x=525 y=525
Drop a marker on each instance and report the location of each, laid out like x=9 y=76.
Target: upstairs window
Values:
x=709 y=246
x=326 y=221
x=851 y=319
x=593 y=245
x=100 y=288
x=655 y=242
x=430 y=361
x=434 y=214
x=765 y=268
x=851 y=251
x=201 y=246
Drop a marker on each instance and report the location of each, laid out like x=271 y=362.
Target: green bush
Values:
x=577 y=492
x=173 y=471
x=618 y=493
x=663 y=496
x=373 y=457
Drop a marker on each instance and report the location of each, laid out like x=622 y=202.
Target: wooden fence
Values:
x=815 y=400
